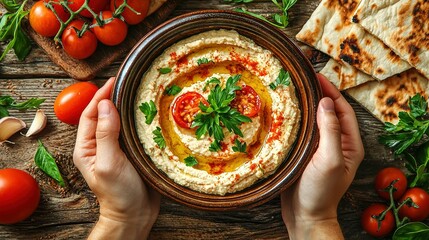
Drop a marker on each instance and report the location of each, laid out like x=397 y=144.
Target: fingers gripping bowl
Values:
x=218 y=110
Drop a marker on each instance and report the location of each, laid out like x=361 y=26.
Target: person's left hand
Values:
x=124 y=198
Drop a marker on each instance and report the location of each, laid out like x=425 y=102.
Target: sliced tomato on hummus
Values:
x=247 y=101
x=185 y=107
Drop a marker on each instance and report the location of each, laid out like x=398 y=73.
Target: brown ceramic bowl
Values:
x=271 y=38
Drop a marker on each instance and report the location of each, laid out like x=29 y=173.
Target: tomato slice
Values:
x=185 y=107
x=247 y=101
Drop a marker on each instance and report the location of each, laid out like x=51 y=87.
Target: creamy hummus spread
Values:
x=216 y=112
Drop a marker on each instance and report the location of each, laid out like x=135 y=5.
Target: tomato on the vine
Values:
x=385 y=177
x=132 y=18
x=19 y=195
x=78 y=44
x=113 y=32
x=421 y=198
x=247 y=101
x=95 y=5
x=71 y=102
x=44 y=21
x=375 y=227
x=185 y=107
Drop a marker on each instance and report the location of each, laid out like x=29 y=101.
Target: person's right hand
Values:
x=309 y=207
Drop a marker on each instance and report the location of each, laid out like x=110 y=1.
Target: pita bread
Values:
x=402 y=24
x=387 y=98
x=331 y=30
x=154 y=5
x=344 y=76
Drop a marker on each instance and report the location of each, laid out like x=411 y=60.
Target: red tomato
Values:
x=372 y=226
x=71 y=102
x=385 y=177
x=140 y=6
x=79 y=46
x=19 y=195
x=44 y=21
x=185 y=107
x=95 y=5
x=421 y=198
x=112 y=33
x=247 y=101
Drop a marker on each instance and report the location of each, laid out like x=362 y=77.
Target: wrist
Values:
x=314 y=229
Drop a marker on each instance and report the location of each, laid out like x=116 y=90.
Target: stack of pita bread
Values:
x=379 y=50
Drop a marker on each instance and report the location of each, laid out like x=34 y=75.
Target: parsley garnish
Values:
x=282 y=79
x=158 y=138
x=203 y=61
x=191 y=161
x=149 y=110
x=215 y=146
x=280 y=20
x=210 y=81
x=164 y=70
x=219 y=114
x=7 y=102
x=172 y=90
x=410 y=128
x=239 y=146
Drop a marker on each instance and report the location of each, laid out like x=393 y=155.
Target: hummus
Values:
x=203 y=65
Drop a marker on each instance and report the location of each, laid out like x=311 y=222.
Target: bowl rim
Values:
x=196 y=199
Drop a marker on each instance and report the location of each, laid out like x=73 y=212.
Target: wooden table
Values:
x=70 y=213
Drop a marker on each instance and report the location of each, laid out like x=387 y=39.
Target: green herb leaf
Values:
x=10 y=5
x=237 y=1
x=215 y=146
x=164 y=70
x=11 y=30
x=191 y=161
x=172 y=90
x=158 y=138
x=211 y=119
x=149 y=110
x=282 y=79
x=212 y=80
x=239 y=146
x=7 y=102
x=412 y=230
x=203 y=61
x=46 y=162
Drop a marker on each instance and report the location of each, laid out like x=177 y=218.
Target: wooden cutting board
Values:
x=87 y=69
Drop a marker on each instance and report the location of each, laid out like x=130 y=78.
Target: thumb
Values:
x=107 y=134
x=330 y=149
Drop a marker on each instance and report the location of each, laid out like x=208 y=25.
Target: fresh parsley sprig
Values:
x=203 y=61
x=219 y=114
x=149 y=110
x=282 y=79
x=7 y=103
x=158 y=138
x=239 y=146
x=212 y=80
x=410 y=128
x=280 y=20
x=172 y=90
x=190 y=161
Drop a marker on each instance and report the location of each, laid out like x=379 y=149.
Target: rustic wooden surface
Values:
x=70 y=212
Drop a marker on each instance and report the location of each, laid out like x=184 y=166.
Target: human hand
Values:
x=127 y=206
x=309 y=207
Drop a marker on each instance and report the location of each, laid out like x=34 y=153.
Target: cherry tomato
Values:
x=247 y=101
x=421 y=198
x=385 y=177
x=95 y=5
x=79 y=46
x=140 y=6
x=44 y=21
x=185 y=107
x=112 y=33
x=372 y=226
x=19 y=195
x=71 y=102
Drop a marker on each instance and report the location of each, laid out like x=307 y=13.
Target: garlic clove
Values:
x=10 y=126
x=38 y=124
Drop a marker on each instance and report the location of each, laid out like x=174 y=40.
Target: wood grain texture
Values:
x=70 y=212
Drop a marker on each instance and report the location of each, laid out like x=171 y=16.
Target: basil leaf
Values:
x=412 y=231
x=46 y=162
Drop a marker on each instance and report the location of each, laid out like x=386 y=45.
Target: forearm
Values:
x=111 y=229
x=326 y=229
